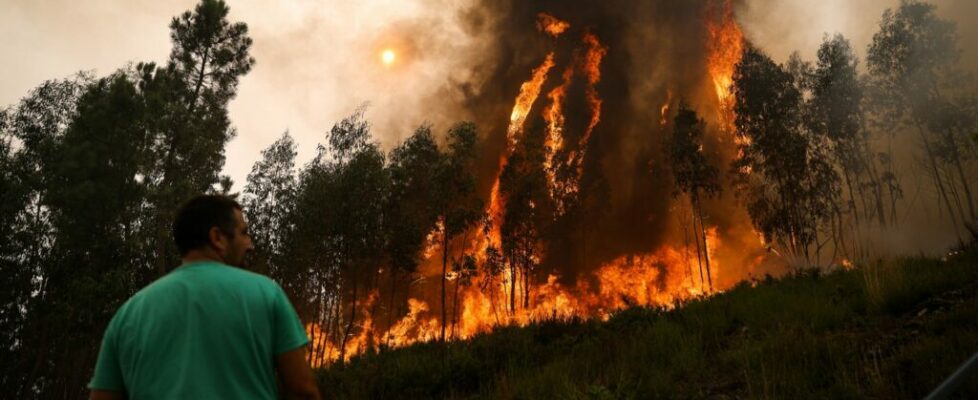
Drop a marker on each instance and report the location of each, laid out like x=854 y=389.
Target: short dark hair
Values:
x=191 y=227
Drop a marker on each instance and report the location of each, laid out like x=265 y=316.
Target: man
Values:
x=209 y=329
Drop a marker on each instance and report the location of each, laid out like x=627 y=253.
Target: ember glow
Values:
x=551 y=25
x=563 y=93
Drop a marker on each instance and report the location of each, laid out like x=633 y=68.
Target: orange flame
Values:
x=592 y=69
x=554 y=117
x=651 y=279
x=664 y=110
x=433 y=239
x=551 y=25
x=724 y=49
x=591 y=65
x=529 y=91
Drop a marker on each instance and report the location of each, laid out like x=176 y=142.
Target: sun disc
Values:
x=388 y=57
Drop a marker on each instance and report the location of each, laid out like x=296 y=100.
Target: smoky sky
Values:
x=318 y=60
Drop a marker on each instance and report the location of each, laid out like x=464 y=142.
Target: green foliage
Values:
x=809 y=335
x=413 y=204
x=95 y=168
x=269 y=197
x=189 y=126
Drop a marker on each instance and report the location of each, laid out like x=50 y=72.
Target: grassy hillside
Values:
x=890 y=329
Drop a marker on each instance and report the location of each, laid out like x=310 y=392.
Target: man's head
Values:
x=213 y=226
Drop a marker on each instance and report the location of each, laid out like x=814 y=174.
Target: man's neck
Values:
x=202 y=255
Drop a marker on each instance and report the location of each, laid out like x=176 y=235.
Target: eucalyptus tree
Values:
x=529 y=212
x=783 y=169
x=31 y=133
x=459 y=206
x=694 y=176
x=412 y=208
x=912 y=63
x=269 y=196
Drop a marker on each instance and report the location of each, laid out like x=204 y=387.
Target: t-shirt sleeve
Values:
x=108 y=370
x=288 y=331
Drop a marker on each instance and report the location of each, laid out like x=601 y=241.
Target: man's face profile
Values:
x=233 y=250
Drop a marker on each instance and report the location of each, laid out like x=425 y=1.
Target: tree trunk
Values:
x=349 y=324
x=706 y=248
x=689 y=264
x=444 y=276
x=512 y=286
x=527 y=265
x=852 y=195
x=938 y=181
x=963 y=178
x=696 y=237
x=390 y=307
x=458 y=280
x=334 y=321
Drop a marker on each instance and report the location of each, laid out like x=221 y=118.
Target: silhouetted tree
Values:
x=32 y=133
x=355 y=188
x=190 y=126
x=912 y=63
x=694 y=176
x=95 y=200
x=412 y=207
x=459 y=206
x=529 y=211
x=783 y=170
x=269 y=196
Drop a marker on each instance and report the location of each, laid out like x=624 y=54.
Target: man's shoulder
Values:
x=204 y=274
x=250 y=277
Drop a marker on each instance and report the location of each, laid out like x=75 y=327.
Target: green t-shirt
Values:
x=204 y=331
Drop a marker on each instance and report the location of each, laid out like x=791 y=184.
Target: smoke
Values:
x=317 y=62
x=782 y=27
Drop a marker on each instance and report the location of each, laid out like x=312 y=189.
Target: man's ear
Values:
x=217 y=239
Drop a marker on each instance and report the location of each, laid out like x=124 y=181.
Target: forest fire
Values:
x=526 y=174
x=672 y=272
x=662 y=278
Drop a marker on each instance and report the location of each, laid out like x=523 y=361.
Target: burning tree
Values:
x=340 y=222
x=694 y=176
x=528 y=212
x=412 y=207
x=459 y=206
